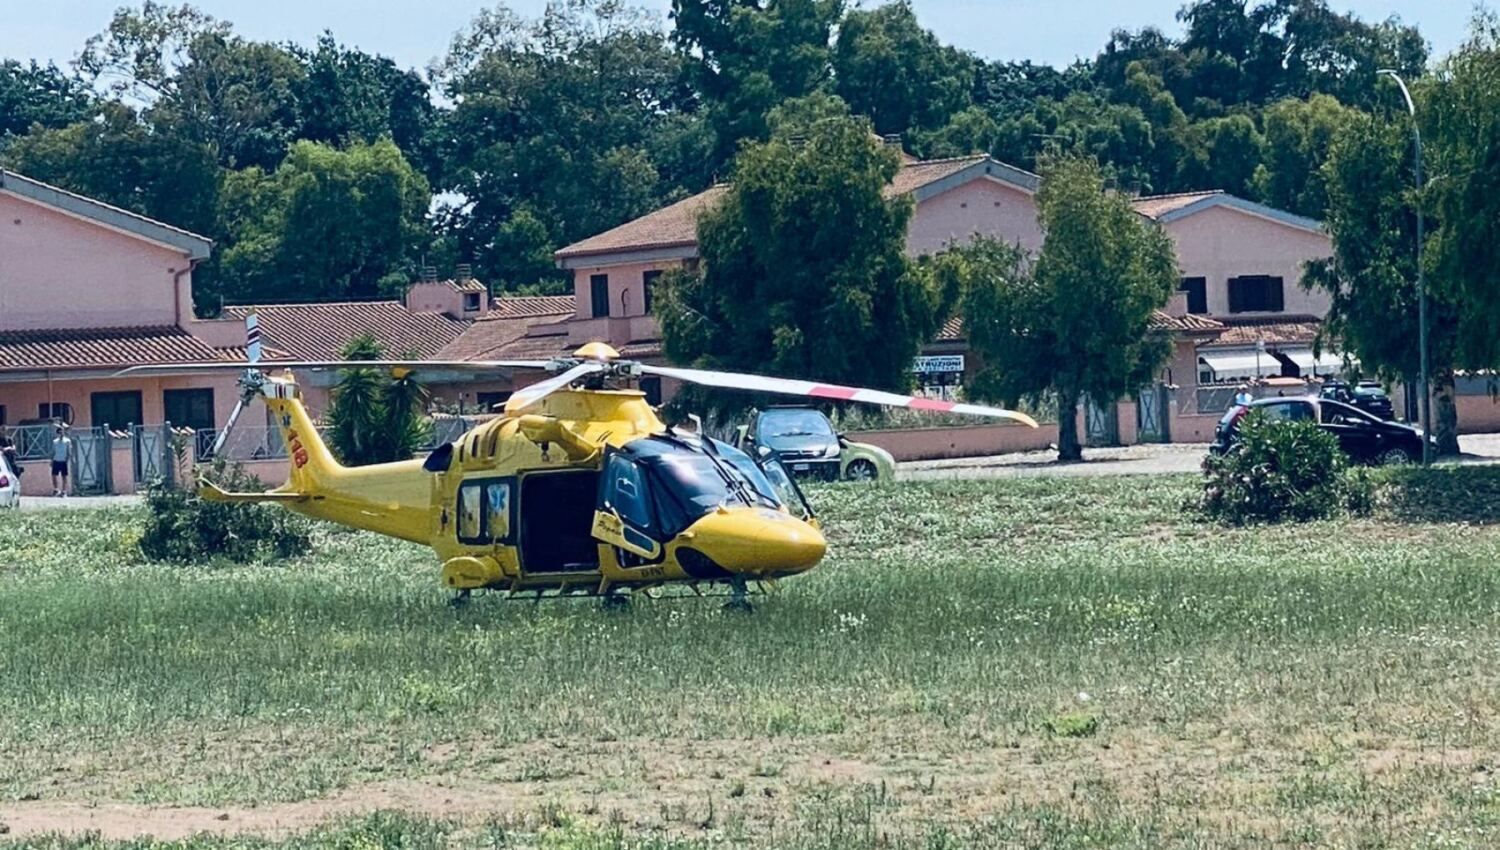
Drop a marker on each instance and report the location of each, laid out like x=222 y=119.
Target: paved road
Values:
x=1150 y=459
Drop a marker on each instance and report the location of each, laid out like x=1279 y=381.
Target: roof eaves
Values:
x=1224 y=199
x=194 y=246
x=983 y=167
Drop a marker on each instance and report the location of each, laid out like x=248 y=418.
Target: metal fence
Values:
x=1216 y=399
x=88 y=459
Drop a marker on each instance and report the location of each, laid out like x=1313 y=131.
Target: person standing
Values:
x=62 y=446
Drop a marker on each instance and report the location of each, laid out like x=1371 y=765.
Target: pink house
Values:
x=1240 y=261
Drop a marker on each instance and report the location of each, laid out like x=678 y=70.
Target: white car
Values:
x=10 y=486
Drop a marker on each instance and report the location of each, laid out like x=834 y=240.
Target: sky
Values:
x=414 y=33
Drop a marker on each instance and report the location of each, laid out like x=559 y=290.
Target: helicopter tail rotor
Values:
x=250 y=382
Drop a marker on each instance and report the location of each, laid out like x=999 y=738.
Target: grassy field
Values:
x=1031 y=662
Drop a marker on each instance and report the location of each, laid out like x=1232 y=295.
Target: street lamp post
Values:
x=1423 y=387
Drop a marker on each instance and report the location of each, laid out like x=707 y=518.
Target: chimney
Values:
x=429 y=274
x=891 y=140
x=463 y=272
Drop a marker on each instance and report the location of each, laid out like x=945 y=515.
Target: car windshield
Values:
x=780 y=427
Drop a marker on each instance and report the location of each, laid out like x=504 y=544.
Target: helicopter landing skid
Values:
x=460 y=599
x=738 y=597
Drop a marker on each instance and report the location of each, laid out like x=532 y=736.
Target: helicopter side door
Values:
x=624 y=517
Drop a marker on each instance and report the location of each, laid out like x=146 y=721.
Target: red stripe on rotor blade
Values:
x=840 y=393
x=930 y=404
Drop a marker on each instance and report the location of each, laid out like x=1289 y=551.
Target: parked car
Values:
x=1367 y=396
x=1364 y=438
x=808 y=446
x=10 y=485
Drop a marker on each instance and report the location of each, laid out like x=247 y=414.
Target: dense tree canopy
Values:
x=536 y=132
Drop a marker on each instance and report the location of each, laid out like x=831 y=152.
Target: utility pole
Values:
x=1423 y=385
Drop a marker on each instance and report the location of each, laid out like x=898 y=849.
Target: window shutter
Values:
x=1274 y=295
x=1235 y=295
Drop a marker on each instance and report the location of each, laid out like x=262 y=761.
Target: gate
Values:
x=152 y=450
x=1151 y=415
x=91 y=461
x=1101 y=423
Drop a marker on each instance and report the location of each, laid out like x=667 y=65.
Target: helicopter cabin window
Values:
x=470 y=511
x=485 y=511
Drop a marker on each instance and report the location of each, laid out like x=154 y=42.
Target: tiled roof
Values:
x=1273 y=330
x=641 y=348
x=953 y=329
x=467 y=285
x=518 y=306
x=240 y=354
x=492 y=338
x=82 y=348
x=915 y=175
x=677 y=225
x=671 y=226
x=320 y=331
x=1187 y=324
x=1156 y=206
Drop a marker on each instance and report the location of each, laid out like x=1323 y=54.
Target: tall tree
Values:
x=1371 y=277
x=1077 y=324
x=41 y=96
x=327 y=224
x=750 y=55
x=557 y=131
x=886 y=67
x=804 y=270
x=347 y=95
x=1298 y=135
x=1463 y=133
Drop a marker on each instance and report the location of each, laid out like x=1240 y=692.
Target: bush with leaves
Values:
x=1282 y=471
x=183 y=528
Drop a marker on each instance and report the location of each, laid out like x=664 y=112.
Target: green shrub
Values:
x=185 y=529
x=1282 y=471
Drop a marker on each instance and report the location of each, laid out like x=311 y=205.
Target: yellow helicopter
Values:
x=577 y=489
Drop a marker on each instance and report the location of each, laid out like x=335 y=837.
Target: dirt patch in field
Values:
x=695 y=787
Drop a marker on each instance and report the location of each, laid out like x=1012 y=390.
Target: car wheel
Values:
x=861 y=470
x=1395 y=457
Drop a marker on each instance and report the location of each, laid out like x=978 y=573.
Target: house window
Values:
x=59 y=410
x=2 y=414
x=1197 y=294
x=1255 y=294
x=189 y=408
x=648 y=283
x=471 y=302
x=116 y=409
x=651 y=386
x=599 y=294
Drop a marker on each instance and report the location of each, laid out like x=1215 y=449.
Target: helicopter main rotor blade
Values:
x=238 y=366
x=529 y=395
x=832 y=392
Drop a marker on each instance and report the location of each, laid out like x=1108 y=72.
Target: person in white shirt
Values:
x=62 y=445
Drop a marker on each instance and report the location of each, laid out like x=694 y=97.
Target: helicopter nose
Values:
x=757 y=541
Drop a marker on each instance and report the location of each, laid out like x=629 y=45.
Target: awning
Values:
x=1324 y=363
x=1236 y=365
